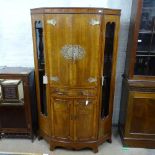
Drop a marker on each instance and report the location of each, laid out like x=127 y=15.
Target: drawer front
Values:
x=74 y=92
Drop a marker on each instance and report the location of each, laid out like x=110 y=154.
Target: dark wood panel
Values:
x=137 y=127
x=18 y=117
x=12 y=117
x=143 y=119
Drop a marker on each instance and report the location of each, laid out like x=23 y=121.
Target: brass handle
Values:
x=86 y=102
x=60 y=93
x=54 y=78
x=85 y=93
x=92 y=79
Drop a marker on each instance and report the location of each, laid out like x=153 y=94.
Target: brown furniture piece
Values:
x=17 y=102
x=137 y=112
x=75 y=51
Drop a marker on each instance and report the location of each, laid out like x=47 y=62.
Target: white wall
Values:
x=16 y=47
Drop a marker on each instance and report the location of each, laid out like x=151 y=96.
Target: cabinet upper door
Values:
x=145 y=54
x=73 y=49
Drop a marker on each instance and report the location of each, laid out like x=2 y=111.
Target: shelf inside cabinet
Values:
x=149 y=8
x=146 y=32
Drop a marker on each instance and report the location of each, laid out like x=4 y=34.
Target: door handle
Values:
x=102 y=80
x=92 y=79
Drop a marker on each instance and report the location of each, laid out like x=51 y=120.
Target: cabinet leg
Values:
x=32 y=138
x=52 y=147
x=40 y=137
x=109 y=140
x=95 y=149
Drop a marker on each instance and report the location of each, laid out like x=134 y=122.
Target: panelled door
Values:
x=61 y=118
x=141 y=121
x=72 y=44
x=74 y=120
x=85 y=119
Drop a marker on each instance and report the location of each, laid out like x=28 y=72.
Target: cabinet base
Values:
x=17 y=135
x=78 y=145
x=74 y=145
x=136 y=142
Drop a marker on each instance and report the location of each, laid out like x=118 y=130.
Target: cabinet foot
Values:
x=95 y=149
x=52 y=147
x=32 y=138
x=40 y=137
x=109 y=140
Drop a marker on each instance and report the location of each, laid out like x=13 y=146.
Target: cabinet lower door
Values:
x=85 y=119
x=141 y=115
x=61 y=122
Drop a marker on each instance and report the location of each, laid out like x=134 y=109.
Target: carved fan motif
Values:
x=73 y=52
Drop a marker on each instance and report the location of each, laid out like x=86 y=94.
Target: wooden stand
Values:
x=17 y=103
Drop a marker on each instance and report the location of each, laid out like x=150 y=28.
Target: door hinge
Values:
x=52 y=22
x=94 y=22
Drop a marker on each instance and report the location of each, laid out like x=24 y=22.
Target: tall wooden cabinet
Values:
x=137 y=114
x=75 y=52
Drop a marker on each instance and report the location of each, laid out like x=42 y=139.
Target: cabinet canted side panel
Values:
x=40 y=62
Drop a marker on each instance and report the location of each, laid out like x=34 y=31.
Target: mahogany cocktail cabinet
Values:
x=75 y=52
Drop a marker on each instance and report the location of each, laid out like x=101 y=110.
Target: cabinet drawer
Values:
x=73 y=92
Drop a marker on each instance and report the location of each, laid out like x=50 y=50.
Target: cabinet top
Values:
x=15 y=70
x=76 y=11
